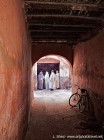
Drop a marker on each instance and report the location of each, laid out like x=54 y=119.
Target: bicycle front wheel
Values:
x=74 y=99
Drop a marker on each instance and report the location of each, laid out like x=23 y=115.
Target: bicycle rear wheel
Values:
x=74 y=99
x=82 y=104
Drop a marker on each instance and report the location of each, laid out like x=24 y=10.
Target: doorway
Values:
x=47 y=67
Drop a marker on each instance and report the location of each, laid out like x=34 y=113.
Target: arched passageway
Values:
x=56 y=63
x=51 y=117
x=43 y=49
x=53 y=30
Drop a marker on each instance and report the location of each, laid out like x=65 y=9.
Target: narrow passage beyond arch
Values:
x=51 y=117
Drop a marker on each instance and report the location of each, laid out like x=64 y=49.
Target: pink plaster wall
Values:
x=14 y=71
x=88 y=71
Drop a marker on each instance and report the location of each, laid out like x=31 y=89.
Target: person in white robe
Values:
x=47 y=80
x=40 y=80
x=57 y=80
x=52 y=81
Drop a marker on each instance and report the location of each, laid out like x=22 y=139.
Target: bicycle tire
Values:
x=74 y=99
x=82 y=104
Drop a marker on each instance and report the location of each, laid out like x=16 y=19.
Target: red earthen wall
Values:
x=14 y=71
x=42 y=49
x=88 y=71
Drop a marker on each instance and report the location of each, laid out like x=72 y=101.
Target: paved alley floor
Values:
x=52 y=118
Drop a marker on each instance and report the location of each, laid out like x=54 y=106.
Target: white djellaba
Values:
x=52 y=81
x=47 y=80
x=40 y=80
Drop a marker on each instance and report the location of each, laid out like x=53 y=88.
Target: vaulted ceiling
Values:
x=69 y=21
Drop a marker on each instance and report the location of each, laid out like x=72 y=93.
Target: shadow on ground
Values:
x=51 y=118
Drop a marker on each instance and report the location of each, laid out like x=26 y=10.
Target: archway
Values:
x=43 y=49
x=55 y=62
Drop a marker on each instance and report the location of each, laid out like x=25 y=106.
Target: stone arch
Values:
x=67 y=66
x=40 y=50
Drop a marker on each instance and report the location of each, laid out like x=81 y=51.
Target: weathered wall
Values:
x=88 y=71
x=14 y=71
x=42 y=49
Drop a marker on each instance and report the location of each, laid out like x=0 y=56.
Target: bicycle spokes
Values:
x=74 y=99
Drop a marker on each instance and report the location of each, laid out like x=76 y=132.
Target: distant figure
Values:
x=40 y=80
x=47 y=80
x=52 y=80
x=57 y=80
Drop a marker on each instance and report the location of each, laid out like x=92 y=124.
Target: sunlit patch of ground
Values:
x=53 y=96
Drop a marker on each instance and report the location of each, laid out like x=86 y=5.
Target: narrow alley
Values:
x=47 y=49
x=51 y=117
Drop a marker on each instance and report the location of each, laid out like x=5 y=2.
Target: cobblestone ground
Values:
x=51 y=118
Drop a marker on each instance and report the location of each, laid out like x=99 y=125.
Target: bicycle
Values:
x=80 y=98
